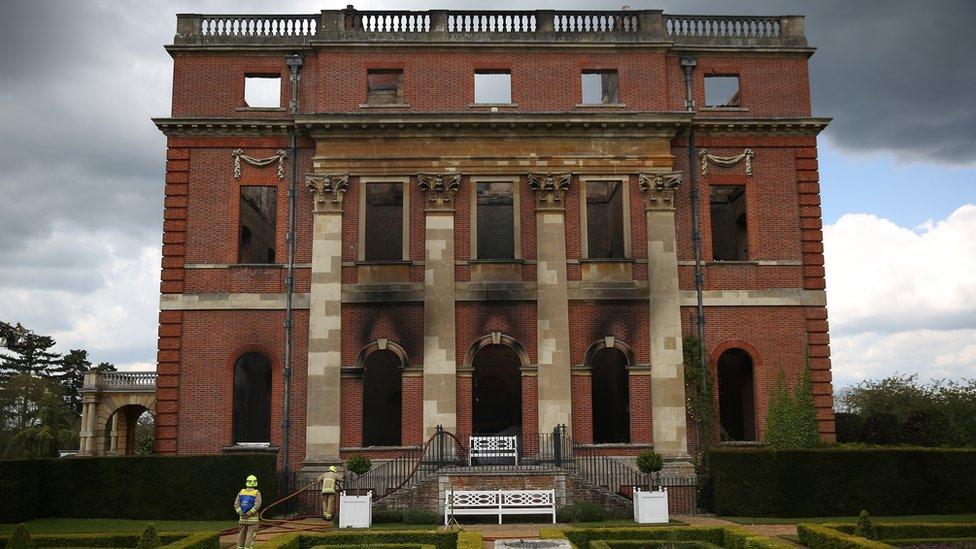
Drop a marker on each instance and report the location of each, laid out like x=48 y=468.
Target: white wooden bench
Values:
x=489 y=447
x=499 y=502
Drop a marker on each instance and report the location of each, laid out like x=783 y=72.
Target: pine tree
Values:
x=865 y=528
x=70 y=375
x=805 y=413
x=24 y=352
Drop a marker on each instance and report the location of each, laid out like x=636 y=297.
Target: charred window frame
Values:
x=599 y=87
x=384 y=223
x=495 y=231
x=605 y=213
x=382 y=399
x=722 y=90
x=262 y=91
x=257 y=225
x=730 y=234
x=384 y=87
x=252 y=399
x=493 y=87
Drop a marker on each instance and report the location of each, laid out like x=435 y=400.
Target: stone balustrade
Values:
x=120 y=381
x=628 y=26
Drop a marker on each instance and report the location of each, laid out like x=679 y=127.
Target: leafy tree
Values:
x=780 y=413
x=70 y=375
x=358 y=464
x=807 y=426
x=882 y=428
x=21 y=397
x=43 y=441
x=145 y=434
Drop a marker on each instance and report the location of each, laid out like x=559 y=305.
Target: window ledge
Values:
x=724 y=109
x=621 y=445
x=256 y=265
x=601 y=105
x=250 y=448
x=606 y=260
x=492 y=105
x=260 y=109
x=495 y=261
x=384 y=106
x=732 y=262
x=376 y=448
x=384 y=262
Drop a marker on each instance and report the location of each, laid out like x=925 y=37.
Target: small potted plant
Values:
x=651 y=507
x=650 y=462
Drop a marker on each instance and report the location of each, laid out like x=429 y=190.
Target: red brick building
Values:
x=494 y=229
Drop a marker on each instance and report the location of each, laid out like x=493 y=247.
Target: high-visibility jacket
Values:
x=330 y=481
x=247 y=503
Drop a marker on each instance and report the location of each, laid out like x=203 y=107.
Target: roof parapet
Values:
x=470 y=26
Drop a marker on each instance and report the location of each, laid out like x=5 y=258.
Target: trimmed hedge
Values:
x=390 y=546
x=843 y=481
x=964 y=542
x=704 y=536
x=818 y=536
x=907 y=530
x=136 y=487
x=437 y=539
x=469 y=539
x=171 y=540
x=632 y=544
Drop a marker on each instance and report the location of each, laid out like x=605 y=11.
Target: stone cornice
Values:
x=619 y=124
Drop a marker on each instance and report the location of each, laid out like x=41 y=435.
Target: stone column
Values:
x=667 y=368
x=325 y=319
x=552 y=301
x=440 y=361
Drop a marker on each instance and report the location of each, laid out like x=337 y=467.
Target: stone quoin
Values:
x=489 y=267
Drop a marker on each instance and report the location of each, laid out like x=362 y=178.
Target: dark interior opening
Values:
x=382 y=397
x=497 y=391
x=257 y=218
x=730 y=240
x=604 y=220
x=611 y=396
x=496 y=220
x=252 y=399
x=384 y=222
x=736 y=396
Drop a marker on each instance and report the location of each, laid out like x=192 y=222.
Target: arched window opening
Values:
x=496 y=391
x=736 y=395
x=611 y=396
x=382 y=399
x=252 y=399
x=126 y=430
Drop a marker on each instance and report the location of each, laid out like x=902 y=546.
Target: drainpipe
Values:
x=688 y=63
x=294 y=63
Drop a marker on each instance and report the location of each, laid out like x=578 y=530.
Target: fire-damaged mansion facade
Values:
x=381 y=223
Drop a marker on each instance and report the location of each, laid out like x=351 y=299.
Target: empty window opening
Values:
x=257 y=219
x=496 y=391
x=722 y=91
x=604 y=219
x=384 y=86
x=262 y=91
x=496 y=220
x=736 y=397
x=611 y=396
x=252 y=399
x=599 y=87
x=382 y=398
x=492 y=87
x=384 y=222
x=730 y=240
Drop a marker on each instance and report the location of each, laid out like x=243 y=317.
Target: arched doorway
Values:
x=252 y=399
x=496 y=391
x=611 y=396
x=382 y=399
x=736 y=395
x=121 y=430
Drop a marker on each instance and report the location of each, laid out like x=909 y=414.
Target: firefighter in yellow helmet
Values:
x=247 y=504
x=330 y=485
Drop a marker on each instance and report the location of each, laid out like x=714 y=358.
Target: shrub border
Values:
x=731 y=537
x=172 y=540
x=305 y=540
x=822 y=536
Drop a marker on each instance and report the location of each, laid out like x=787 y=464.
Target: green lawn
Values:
x=64 y=526
x=852 y=519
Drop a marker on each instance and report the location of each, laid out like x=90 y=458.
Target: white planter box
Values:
x=355 y=511
x=651 y=507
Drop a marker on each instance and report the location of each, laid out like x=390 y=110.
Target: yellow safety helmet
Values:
x=251 y=482
x=332 y=468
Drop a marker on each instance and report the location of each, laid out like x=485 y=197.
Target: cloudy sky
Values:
x=81 y=184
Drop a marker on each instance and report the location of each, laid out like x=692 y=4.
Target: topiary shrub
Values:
x=20 y=539
x=150 y=538
x=650 y=461
x=865 y=528
x=359 y=464
x=583 y=511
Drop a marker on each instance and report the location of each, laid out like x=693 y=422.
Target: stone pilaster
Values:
x=440 y=361
x=325 y=319
x=552 y=305
x=667 y=369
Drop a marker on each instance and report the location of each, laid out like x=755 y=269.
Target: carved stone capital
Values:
x=327 y=191
x=550 y=189
x=440 y=189
x=659 y=189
